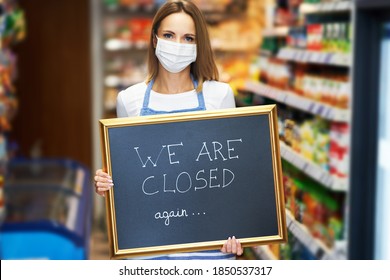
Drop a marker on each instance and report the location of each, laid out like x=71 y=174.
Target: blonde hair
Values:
x=204 y=68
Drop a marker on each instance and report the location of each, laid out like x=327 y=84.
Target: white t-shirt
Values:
x=217 y=95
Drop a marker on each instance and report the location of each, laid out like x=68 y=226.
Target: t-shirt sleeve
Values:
x=120 y=107
x=228 y=101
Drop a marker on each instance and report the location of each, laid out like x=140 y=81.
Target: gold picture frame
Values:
x=124 y=216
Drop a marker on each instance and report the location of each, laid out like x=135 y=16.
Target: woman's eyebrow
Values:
x=167 y=31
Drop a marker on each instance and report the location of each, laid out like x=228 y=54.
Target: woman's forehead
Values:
x=178 y=23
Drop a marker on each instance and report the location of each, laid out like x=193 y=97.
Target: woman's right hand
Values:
x=103 y=182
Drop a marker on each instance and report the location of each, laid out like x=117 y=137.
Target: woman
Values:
x=182 y=77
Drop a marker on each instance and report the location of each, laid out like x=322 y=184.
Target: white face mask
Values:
x=174 y=57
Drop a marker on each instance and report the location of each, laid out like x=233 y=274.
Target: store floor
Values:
x=99 y=245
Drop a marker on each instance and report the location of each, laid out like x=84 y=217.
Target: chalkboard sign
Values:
x=188 y=181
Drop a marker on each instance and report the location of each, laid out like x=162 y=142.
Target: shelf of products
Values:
x=313 y=170
x=12 y=31
x=314 y=245
x=306 y=71
x=294 y=100
x=126 y=29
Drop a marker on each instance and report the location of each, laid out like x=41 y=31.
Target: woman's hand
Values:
x=232 y=245
x=103 y=182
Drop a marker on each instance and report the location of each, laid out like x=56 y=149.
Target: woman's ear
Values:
x=154 y=40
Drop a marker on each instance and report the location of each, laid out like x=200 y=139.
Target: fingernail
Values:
x=111 y=184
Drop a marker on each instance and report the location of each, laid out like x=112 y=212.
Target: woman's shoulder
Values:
x=134 y=91
x=218 y=95
x=216 y=85
x=216 y=89
x=129 y=100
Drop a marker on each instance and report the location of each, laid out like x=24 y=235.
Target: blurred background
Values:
x=325 y=63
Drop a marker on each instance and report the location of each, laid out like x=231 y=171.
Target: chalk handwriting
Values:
x=154 y=163
x=167 y=215
x=216 y=148
x=184 y=183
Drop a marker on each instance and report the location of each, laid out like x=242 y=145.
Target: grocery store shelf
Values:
x=290 y=98
x=327 y=7
x=313 y=170
x=113 y=45
x=301 y=232
x=263 y=253
x=117 y=81
x=280 y=31
x=316 y=57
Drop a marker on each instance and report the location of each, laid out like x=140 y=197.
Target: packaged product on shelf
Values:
x=140 y=30
x=276 y=73
x=344 y=92
x=339 y=149
x=288 y=132
x=272 y=45
x=263 y=65
x=317 y=209
x=297 y=37
x=314 y=37
x=298 y=82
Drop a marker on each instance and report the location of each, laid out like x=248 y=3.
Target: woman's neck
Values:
x=169 y=83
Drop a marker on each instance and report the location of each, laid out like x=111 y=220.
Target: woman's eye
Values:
x=190 y=39
x=167 y=36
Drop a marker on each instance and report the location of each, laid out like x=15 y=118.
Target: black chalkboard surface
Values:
x=188 y=181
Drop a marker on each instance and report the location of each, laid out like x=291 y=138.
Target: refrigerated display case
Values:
x=382 y=221
x=48 y=210
x=370 y=168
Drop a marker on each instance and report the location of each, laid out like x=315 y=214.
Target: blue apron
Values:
x=145 y=110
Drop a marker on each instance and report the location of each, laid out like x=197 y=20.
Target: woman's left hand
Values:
x=232 y=245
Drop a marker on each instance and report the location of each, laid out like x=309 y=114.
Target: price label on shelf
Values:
x=315 y=57
x=342 y=6
x=327 y=6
